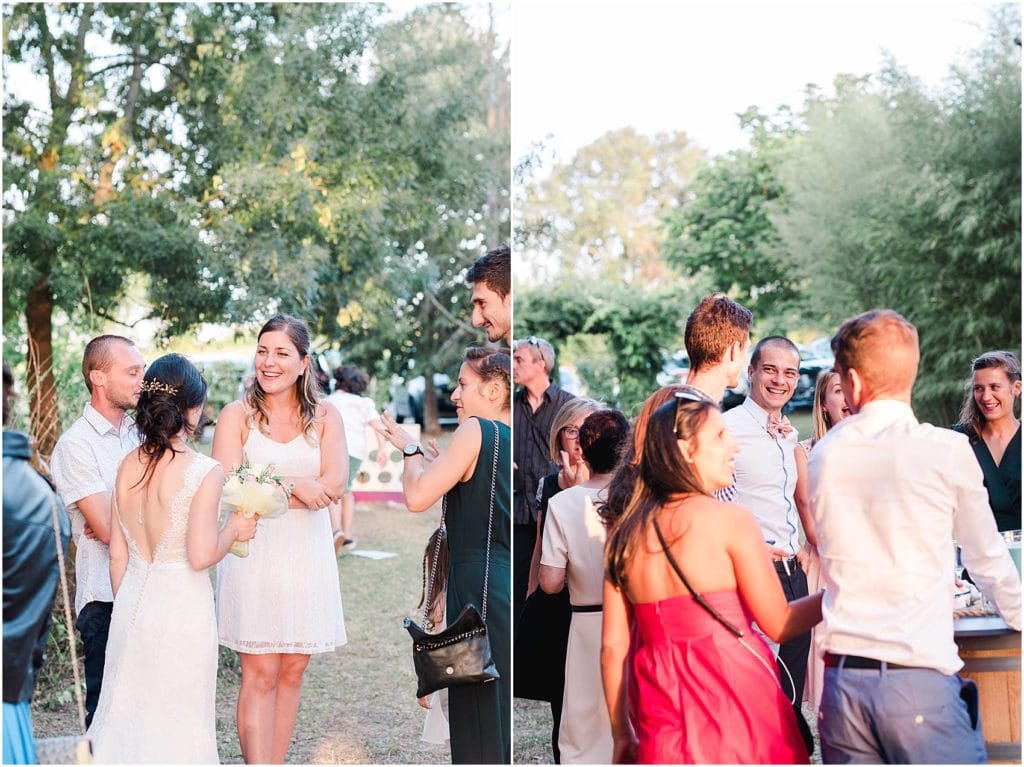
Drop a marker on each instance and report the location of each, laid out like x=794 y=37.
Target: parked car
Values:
x=812 y=362
x=677 y=368
x=445 y=407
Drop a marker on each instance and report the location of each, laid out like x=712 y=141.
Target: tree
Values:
x=86 y=202
x=599 y=215
x=722 y=234
x=912 y=202
x=638 y=328
x=440 y=93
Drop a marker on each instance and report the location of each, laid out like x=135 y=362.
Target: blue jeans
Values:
x=94 y=624
x=899 y=716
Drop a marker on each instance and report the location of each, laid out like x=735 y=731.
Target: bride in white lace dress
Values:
x=158 y=698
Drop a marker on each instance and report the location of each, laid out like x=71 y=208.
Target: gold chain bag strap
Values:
x=461 y=654
x=66 y=749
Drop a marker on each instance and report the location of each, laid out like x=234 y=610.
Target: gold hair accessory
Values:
x=159 y=386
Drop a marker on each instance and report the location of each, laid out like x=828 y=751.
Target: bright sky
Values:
x=582 y=69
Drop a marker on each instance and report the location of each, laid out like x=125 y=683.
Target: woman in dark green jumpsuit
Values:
x=479 y=716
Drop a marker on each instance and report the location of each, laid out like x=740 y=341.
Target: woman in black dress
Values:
x=479 y=715
x=989 y=421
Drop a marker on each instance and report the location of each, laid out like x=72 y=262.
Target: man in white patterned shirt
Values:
x=889 y=495
x=84 y=466
x=764 y=482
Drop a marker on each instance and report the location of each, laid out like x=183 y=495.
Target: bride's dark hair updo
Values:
x=171 y=387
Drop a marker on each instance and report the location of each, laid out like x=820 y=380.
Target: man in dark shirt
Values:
x=534 y=408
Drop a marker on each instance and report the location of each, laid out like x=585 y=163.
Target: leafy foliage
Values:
x=245 y=159
x=926 y=218
x=599 y=214
x=722 y=233
x=637 y=329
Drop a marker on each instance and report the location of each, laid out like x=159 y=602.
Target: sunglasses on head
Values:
x=685 y=396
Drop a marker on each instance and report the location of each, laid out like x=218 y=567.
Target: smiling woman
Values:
x=472 y=478
x=282 y=602
x=989 y=421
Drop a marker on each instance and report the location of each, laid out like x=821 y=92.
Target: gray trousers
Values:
x=899 y=716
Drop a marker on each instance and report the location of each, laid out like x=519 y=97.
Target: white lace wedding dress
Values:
x=158 y=699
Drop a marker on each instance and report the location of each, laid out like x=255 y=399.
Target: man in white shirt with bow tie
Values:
x=889 y=495
x=764 y=482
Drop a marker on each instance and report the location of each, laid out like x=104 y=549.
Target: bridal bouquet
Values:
x=253 y=489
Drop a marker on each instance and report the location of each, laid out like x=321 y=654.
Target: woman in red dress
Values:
x=689 y=573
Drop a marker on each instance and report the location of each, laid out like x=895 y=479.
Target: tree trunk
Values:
x=431 y=422
x=45 y=419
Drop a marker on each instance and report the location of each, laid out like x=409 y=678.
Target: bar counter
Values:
x=990 y=651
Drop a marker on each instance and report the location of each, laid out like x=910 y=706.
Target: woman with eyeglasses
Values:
x=542 y=634
x=689 y=574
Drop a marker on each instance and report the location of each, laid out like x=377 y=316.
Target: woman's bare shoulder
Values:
x=235 y=411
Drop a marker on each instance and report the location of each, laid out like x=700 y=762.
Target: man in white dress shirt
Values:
x=765 y=483
x=84 y=466
x=889 y=496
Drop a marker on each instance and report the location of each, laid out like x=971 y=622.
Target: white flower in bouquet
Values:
x=253 y=489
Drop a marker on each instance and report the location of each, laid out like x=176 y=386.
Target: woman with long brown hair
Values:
x=988 y=418
x=282 y=603
x=691 y=573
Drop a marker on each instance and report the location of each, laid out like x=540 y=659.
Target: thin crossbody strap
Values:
x=718 y=617
x=696 y=597
x=444 y=535
x=490 y=518
x=67 y=614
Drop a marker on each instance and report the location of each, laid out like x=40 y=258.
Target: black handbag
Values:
x=461 y=653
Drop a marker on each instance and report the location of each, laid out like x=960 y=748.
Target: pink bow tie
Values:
x=778 y=427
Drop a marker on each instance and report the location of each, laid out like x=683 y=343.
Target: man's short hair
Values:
x=716 y=324
x=98 y=354
x=493 y=269
x=541 y=350
x=755 y=356
x=882 y=346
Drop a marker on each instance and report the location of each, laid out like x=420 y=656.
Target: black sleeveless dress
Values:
x=480 y=716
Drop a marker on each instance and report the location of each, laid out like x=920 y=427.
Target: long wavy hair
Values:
x=819 y=415
x=662 y=474
x=620 y=489
x=171 y=387
x=435 y=609
x=307 y=391
x=971 y=419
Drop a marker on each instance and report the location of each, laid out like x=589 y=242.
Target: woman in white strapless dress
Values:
x=282 y=603
x=158 y=701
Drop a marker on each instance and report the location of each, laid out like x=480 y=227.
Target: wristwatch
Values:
x=411 y=449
